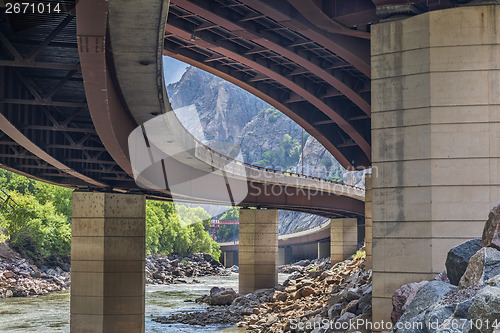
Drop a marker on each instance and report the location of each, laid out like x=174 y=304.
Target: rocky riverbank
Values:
x=161 y=269
x=464 y=298
x=20 y=278
x=315 y=296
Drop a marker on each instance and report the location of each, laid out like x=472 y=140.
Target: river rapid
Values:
x=50 y=313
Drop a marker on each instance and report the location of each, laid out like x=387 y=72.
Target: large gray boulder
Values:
x=446 y=316
x=484 y=265
x=221 y=296
x=402 y=297
x=491 y=232
x=485 y=310
x=458 y=259
x=426 y=296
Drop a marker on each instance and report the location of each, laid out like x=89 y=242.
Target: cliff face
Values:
x=223 y=109
x=226 y=113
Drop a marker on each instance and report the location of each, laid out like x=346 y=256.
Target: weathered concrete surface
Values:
x=344 y=239
x=435 y=142
x=258 y=249
x=368 y=221
x=107 y=262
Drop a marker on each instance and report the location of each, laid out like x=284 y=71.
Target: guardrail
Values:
x=257 y=167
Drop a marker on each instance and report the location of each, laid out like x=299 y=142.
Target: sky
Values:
x=173 y=69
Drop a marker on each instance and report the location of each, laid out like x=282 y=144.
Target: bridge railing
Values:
x=257 y=167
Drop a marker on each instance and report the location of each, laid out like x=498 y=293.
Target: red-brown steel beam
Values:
x=16 y=135
x=318 y=17
x=200 y=8
x=314 y=100
x=354 y=50
x=112 y=122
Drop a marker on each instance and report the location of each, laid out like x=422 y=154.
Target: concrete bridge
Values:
x=407 y=87
x=314 y=243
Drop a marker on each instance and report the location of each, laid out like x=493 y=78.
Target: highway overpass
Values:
x=408 y=88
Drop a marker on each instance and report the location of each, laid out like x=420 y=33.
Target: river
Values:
x=50 y=313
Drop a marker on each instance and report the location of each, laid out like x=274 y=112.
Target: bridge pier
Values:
x=368 y=221
x=258 y=249
x=230 y=258
x=107 y=263
x=323 y=249
x=285 y=255
x=435 y=141
x=343 y=238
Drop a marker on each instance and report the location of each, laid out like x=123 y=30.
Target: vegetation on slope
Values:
x=36 y=221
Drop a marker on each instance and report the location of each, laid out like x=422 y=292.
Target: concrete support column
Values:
x=323 y=249
x=258 y=249
x=435 y=141
x=107 y=263
x=230 y=258
x=285 y=255
x=343 y=239
x=368 y=220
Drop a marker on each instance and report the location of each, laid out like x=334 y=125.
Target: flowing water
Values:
x=50 y=313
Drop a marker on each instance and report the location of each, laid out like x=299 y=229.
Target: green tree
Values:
x=37 y=229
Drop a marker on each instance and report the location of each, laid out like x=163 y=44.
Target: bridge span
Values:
x=311 y=244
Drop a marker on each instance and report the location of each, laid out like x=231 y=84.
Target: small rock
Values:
x=8 y=274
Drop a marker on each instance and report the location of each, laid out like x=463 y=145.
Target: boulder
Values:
x=302 y=263
x=458 y=259
x=221 y=296
x=8 y=274
x=449 y=315
x=280 y=296
x=427 y=295
x=485 y=310
x=483 y=265
x=303 y=292
x=491 y=231
x=402 y=297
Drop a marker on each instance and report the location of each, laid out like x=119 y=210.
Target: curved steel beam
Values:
x=225 y=50
x=266 y=40
x=16 y=135
x=316 y=16
x=354 y=50
x=112 y=122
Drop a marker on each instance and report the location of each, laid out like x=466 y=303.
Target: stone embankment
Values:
x=464 y=298
x=170 y=269
x=20 y=278
x=314 y=297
